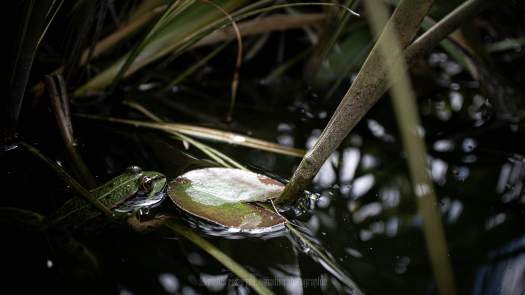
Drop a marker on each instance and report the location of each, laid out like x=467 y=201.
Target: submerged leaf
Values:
x=221 y=195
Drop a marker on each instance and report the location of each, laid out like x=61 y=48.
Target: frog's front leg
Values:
x=147 y=226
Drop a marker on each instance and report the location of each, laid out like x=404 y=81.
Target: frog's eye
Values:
x=134 y=170
x=147 y=184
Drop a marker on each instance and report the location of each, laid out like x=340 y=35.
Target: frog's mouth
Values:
x=139 y=199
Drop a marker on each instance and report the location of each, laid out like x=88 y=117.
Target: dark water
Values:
x=365 y=219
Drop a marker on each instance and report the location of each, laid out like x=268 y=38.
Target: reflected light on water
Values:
x=461 y=173
x=356 y=140
x=283 y=127
x=362 y=185
x=377 y=129
x=326 y=176
x=354 y=252
x=510 y=181
x=456 y=100
x=367 y=210
x=439 y=171
x=196 y=259
x=213 y=283
x=313 y=138
x=469 y=144
x=187 y=290
x=365 y=235
x=392 y=226
x=324 y=201
x=401 y=266
x=288 y=277
x=390 y=197
x=349 y=164
x=369 y=161
x=469 y=158
x=285 y=139
x=452 y=67
x=351 y=205
x=456 y=207
x=513 y=277
x=444 y=115
x=313 y=224
x=505 y=271
x=444 y=145
x=377 y=227
x=495 y=220
x=444 y=205
x=169 y=282
x=503 y=178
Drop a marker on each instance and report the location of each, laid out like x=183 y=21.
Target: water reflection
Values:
x=362 y=185
x=368 y=197
x=354 y=252
x=214 y=283
x=495 y=220
x=196 y=259
x=469 y=158
x=369 y=161
x=402 y=264
x=324 y=200
x=169 y=282
x=505 y=273
x=392 y=226
x=312 y=139
x=510 y=181
x=390 y=197
x=461 y=173
x=444 y=145
x=349 y=164
x=469 y=144
x=379 y=131
x=439 y=171
x=326 y=176
x=285 y=138
x=456 y=100
x=456 y=207
x=367 y=210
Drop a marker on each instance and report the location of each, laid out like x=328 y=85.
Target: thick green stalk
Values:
x=445 y=27
x=436 y=34
x=402 y=26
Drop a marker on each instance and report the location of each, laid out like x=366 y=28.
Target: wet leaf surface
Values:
x=221 y=195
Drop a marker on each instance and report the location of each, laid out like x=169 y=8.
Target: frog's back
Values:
x=77 y=211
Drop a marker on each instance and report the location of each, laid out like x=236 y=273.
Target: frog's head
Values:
x=149 y=189
x=148 y=183
x=151 y=183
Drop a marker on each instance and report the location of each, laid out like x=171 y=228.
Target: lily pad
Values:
x=221 y=195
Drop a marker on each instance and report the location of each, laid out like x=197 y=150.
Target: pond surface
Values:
x=365 y=217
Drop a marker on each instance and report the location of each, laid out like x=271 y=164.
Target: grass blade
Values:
x=207 y=133
x=26 y=44
x=77 y=188
x=60 y=105
x=55 y=6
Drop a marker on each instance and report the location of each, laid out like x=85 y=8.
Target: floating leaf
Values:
x=221 y=195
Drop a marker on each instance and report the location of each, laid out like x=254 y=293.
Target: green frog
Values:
x=125 y=193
